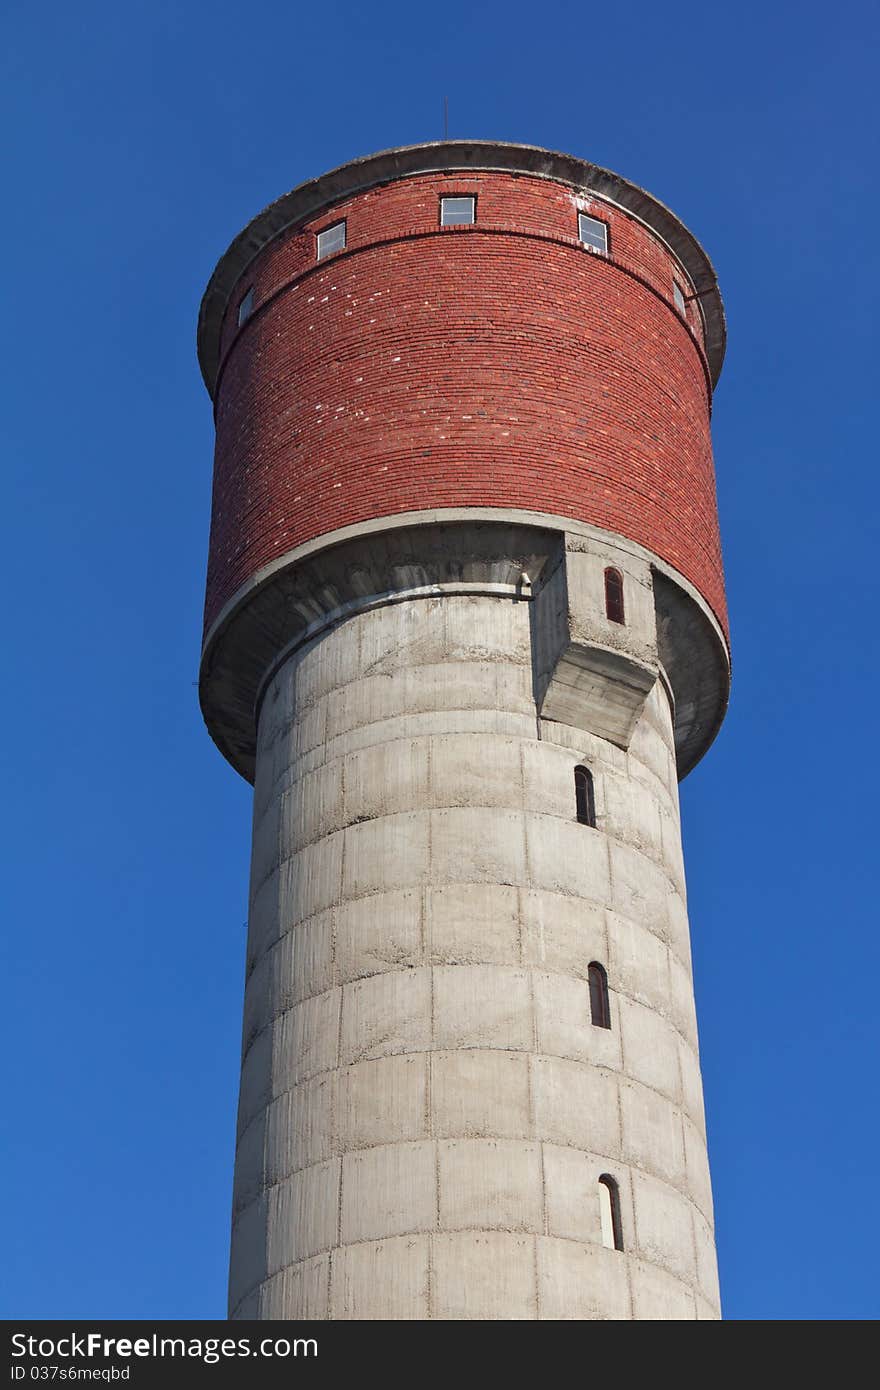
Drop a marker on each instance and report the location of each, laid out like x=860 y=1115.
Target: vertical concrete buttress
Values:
x=436 y=1118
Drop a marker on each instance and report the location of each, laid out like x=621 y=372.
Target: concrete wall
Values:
x=426 y=1107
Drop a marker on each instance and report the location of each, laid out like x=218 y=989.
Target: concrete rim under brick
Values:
x=263 y=623
x=358 y=175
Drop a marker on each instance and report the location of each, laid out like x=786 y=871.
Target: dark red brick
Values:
x=499 y=365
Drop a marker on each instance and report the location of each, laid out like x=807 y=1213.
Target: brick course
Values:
x=495 y=365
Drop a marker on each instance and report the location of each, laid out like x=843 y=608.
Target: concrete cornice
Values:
x=552 y=521
x=393 y=559
x=308 y=199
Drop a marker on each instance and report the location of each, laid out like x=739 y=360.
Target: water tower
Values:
x=465 y=632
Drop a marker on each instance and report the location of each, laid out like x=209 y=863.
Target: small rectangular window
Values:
x=593 y=233
x=457 y=212
x=246 y=307
x=331 y=239
x=678 y=296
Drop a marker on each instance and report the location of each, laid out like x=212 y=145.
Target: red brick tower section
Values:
x=502 y=365
x=465 y=629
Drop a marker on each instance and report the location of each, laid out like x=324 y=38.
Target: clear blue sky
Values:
x=140 y=137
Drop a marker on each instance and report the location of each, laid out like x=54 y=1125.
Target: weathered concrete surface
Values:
x=466 y=550
x=590 y=672
x=426 y=1107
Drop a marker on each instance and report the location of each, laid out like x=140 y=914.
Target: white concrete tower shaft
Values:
x=439 y=1116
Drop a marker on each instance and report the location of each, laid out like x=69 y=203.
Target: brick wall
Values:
x=494 y=365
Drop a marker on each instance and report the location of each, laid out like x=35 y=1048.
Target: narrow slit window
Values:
x=600 y=1011
x=246 y=306
x=609 y=1213
x=457 y=212
x=678 y=296
x=331 y=239
x=593 y=233
x=585 y=800
x=614 y=596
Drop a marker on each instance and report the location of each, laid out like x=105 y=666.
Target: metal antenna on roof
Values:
x=446 y=118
